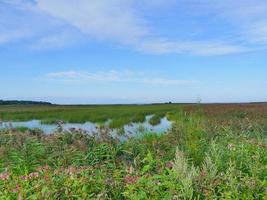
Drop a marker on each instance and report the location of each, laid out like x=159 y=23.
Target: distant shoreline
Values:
x=18 y=102
x=29 y=102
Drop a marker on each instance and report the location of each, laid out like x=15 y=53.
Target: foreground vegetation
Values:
x=211 y=152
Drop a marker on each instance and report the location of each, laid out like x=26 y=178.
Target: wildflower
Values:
x=206 y=193
x=43 y=168
x=46 y=168
x=131 y=179
x=2 y=151
x=24 y=178
x=201 y=175
x=71 y=170
x=254 y=141
x=46 y=177
x=33 y=175
x=16 y=189
x=57 y=172
x=4 y=176
x=130 y=170
x=251 y=183
x=263 y=145
x=231 y=146
x=216 y=182
x=157 y=182
x=169 y=165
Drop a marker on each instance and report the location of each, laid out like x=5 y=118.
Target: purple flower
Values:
x=24 y=178
x=169 y=165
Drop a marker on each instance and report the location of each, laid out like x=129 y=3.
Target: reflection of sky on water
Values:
x=130 y=130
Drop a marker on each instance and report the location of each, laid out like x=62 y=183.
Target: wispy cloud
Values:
x=193 y=47
x=104 y=19
x=11 y=36
x=114 y=76
x=53 y=24
x=21 y=21
x=119 y=20
x=248 y=18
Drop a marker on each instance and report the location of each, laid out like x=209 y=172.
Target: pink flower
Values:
x=131 y=179
x=17 y=189
x=24 y=178
x=202 y=173
x=43 y=168
x=169 y=165
x=71 y=170
x=201 y=176
x=33 y=175
x=4 y=176
x=46 y=167
x=130 y=170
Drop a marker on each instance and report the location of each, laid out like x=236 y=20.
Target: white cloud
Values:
x=102 y=19
x=57 y=23
x=257 y=32
x=119 y=21
x=248 y=18
x=11 y=35
x=114 y=76
x=84 y=76
x=21 y=21
x=251 y=18
x=197 y=48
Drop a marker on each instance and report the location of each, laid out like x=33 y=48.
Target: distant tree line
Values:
x=16 y=102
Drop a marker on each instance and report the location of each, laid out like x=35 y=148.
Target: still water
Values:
x=89 y=127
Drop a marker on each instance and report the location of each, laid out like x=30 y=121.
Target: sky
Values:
x=133 y=51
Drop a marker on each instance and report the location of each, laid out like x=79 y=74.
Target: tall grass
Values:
x=199 y=158
x=81 y=114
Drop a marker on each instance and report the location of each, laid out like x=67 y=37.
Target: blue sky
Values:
x=128 y=51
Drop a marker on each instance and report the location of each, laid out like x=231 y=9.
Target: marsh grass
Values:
x=199 y=158
x=156 y=118
x=22 y=129
x=120 y=114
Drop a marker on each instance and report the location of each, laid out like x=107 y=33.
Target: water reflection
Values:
x=90 y=128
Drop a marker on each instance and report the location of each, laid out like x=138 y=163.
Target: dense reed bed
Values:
x=217 y=155
x=119 y=114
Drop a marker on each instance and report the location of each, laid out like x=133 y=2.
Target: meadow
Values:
x=213 y=151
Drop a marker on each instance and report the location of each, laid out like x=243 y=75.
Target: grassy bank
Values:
x=201 y=157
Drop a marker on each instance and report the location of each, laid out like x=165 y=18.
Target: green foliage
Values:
x=198 y=158
x=191 y=135
x=155 y=119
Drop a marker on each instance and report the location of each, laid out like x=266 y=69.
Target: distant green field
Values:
x=119 y=114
